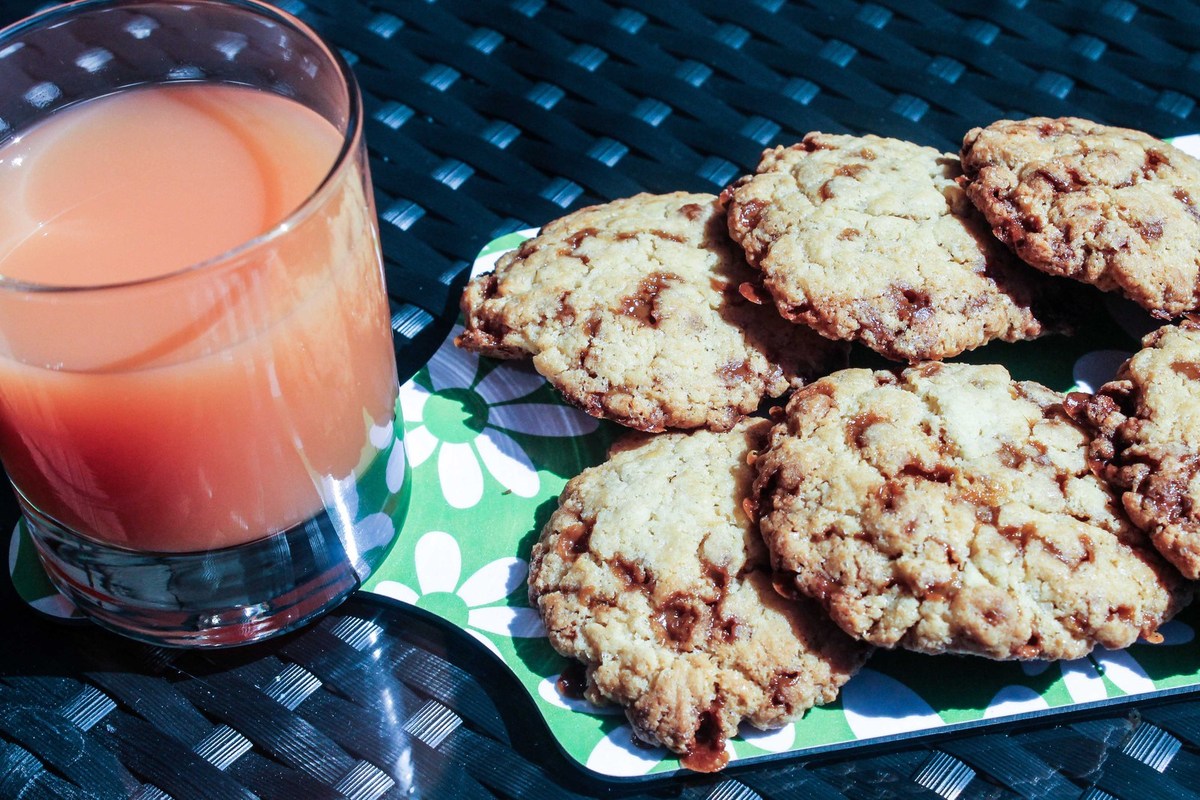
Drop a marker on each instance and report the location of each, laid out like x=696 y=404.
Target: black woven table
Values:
x=488 y=117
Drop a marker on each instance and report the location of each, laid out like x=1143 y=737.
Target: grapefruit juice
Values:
x=194 y=332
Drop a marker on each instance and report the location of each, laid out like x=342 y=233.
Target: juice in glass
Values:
x=197 y=376
x=208 y=422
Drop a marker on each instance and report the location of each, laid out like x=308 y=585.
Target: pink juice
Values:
x=196 y=406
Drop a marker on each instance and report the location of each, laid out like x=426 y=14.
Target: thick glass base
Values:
x=217 y=598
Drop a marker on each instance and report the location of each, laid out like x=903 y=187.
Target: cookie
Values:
x=952 y=510
x=1146 y=425
x=631 y=309
x=1112 y=207
x=651 y=574
x=872 y=240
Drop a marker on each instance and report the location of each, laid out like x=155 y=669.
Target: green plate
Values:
x=491 y=446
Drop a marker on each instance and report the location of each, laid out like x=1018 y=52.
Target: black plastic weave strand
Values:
x=489 y=116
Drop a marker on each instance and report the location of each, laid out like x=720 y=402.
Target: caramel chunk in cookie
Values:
x=652 y=575
x=1112 y=207
x=1146 y=425
x=634 y=311
x=872 y=240
x=951 y=509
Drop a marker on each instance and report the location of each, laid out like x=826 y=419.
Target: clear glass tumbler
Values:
x=209 y=455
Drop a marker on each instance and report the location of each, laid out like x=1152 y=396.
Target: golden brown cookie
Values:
x=952 y=510
x=631 y=309
x=1112 y=207
x=651 y=574
x=1146 y=425
x=872 y=240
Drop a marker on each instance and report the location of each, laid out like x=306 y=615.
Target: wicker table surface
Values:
x=491 y=116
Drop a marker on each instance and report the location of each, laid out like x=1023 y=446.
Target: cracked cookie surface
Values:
x=951 y=509
x=1146 y=425
x=871 y=239
x=651 y=574
x=1112 y=207
x=631 y=309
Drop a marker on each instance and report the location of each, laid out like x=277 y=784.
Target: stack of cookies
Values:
x=741 y=572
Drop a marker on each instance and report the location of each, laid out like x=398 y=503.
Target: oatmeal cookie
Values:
x=1146 y=425
x=1112 y=207
x=651 y=574
x=871 y=239
x=632 y=310
x=951 y=509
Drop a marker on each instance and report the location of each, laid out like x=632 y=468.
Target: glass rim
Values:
x=351 y=137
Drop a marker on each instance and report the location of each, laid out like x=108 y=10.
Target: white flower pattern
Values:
x=879 y=705
x=617 y=754
x=443 y=429
x=439 y=569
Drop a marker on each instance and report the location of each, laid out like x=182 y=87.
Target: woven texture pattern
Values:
x=487 y=116
x=380 y=702
x=496 y=116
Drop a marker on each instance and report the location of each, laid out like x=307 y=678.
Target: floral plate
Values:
x=491 y=446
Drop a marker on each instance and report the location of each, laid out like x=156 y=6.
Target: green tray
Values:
x=491 y=446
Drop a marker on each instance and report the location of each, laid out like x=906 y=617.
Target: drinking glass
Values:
x=208 y=456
